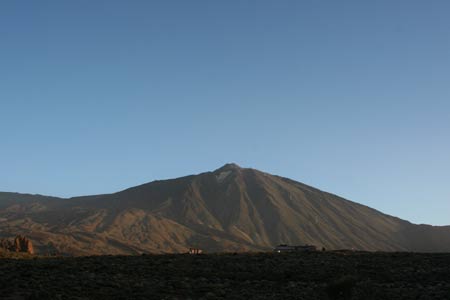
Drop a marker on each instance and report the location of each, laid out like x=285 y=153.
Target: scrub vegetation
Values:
x=315 y=275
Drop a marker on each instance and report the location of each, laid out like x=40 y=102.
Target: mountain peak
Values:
x=229 y=167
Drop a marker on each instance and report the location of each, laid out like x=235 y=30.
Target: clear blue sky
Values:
x=352 y=97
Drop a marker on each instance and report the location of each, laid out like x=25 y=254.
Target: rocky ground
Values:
x=321 y=275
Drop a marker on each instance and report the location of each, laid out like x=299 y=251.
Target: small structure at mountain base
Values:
x=195 y=251
x=288 y=248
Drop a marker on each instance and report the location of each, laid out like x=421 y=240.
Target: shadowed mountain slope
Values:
x=230 y=209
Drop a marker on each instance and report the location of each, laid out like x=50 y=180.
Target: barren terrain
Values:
x=321 y=275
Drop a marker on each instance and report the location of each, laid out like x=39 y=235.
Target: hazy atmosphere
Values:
x=352 y=97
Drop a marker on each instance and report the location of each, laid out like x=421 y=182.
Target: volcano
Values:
x=231 y=209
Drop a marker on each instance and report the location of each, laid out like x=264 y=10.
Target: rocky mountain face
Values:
x=19 y=244
x=229 y=209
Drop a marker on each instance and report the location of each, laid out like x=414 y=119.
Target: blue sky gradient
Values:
x=352 y=97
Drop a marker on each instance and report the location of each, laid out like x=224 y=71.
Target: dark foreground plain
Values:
x=321 y=275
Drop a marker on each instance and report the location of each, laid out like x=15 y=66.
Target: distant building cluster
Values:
x=195 y=251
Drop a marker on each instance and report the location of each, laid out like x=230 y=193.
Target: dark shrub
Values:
x=341 y=288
